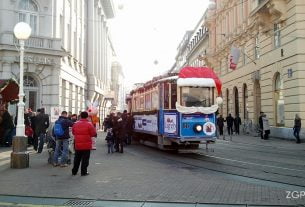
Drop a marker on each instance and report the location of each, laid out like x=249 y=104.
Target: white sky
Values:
x=148 y=30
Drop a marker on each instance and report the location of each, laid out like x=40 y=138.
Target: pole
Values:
x=20 y=158
x=20 y=128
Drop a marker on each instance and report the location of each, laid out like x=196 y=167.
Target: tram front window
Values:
x=196 y=97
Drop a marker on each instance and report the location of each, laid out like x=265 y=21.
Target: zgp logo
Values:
x=295 y=194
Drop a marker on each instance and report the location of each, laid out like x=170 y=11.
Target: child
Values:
x=110 y=140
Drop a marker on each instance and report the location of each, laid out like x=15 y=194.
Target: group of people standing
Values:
x=119 y=129
x=233 y=124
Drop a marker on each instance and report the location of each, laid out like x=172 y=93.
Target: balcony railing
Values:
x=8 y=38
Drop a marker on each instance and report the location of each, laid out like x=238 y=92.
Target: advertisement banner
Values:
x=234 y=57
x=147 y=123
x=170 y=123
x=55 y=113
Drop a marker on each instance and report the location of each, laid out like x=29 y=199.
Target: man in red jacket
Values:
x=83 y=131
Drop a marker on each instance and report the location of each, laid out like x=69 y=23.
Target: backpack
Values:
x=58 y=130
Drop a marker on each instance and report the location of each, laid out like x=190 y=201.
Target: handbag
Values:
x=29 y=131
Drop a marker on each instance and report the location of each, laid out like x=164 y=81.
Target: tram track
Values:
x=236 y=171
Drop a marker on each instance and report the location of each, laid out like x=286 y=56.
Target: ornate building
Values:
x=69 y=55
x=269 y=73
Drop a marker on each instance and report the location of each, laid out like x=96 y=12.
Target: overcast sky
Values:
x=148 y=31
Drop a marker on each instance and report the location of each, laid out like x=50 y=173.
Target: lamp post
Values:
x=20 y=156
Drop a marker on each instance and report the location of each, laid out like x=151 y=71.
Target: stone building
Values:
x=69 y=55
x=268 y=77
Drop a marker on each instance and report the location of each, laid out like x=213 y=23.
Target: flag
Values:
x=234 y=57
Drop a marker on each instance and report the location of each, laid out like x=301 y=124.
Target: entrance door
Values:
x=257 y=100
x=236 y=102
x=31 y=92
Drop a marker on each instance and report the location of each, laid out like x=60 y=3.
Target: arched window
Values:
x=28 y=12
x=29 y=81
x=279 y=100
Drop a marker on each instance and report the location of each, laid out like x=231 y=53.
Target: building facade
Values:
x=69 y=55
x=269 y=73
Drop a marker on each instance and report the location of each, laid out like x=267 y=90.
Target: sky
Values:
x=146 y=34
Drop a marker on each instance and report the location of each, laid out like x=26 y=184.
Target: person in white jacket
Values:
x=266 y=127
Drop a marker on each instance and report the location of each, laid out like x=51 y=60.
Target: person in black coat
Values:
x=230 y=121
x=237 y=123
x=41 y=125
x=220 y=124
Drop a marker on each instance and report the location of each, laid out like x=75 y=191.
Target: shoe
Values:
x=64 y=165
x=55 y=164
x=85 y=174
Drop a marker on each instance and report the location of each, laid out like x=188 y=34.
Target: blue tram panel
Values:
x=197 y=125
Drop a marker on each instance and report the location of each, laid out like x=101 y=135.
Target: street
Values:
x=246 y=170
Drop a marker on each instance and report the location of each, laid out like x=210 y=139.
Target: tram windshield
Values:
x=196 y=96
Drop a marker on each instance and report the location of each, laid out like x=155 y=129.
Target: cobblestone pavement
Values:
x=145 y=174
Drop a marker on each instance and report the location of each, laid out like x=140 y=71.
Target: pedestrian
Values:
x=230 y=121
x=220 y=124
x=7 y=125
x=33 y=124
x=297 y=127
x=260 y=123
x=237 y=123
x=83 y=131
x=130 y=125
x=110 y=140
x=61 y=134
x=41 y=125
x=266 y=127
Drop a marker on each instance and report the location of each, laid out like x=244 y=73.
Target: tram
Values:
x=177 y=111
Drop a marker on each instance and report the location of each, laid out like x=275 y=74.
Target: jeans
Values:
x=42 y=137
x=62 y=145
x=110 y=147
x=296 y=133
x=230 y=130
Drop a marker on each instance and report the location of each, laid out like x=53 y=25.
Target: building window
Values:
x=28 y=12
x=29 y=81
x=279 y=100
x=277 y=36
x=256 y=48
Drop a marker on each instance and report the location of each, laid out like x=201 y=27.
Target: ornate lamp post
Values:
x=20 y=156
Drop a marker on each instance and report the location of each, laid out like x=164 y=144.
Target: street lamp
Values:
x=20 y=156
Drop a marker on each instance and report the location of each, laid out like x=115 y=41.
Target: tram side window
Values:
x=154 y=99
x=142 y=102
x=166 y=95
x=174 y=96
x=147 y=101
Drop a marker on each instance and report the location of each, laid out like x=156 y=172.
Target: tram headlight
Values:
x=197 y=128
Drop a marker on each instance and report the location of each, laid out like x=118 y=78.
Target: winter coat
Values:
x=7 y=121
x=265 y=123
x=109 y=137
x=41 y=123
x=83 y=131
x=297 y=123
x=65 y=124
x=122 y=128
x=229 y=121
x=220 y=122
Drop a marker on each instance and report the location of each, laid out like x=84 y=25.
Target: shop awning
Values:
x=9 y=90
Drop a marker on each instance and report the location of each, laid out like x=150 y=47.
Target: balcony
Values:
x=8 y=38
x=267 y=12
